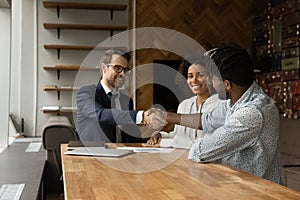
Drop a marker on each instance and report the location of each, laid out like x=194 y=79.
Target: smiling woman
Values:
x=194 y=70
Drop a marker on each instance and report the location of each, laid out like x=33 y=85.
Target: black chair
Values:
x=57 y=131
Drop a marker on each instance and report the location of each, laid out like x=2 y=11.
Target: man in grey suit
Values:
x=103 y=112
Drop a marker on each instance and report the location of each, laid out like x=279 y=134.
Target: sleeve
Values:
x=215 y=118
x=89 y=107
x=241 y=130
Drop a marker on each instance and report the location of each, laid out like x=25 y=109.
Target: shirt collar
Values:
x=107 y=89
x=253 y=89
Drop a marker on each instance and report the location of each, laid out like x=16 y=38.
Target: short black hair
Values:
x=234 y=64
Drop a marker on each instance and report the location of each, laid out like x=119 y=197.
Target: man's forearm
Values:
x=189 y=120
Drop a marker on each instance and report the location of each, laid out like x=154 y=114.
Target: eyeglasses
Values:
x=119 y=68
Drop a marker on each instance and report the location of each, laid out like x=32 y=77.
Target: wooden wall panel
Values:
x=209 y=22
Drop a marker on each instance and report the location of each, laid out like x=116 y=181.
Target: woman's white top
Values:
x=182 y=136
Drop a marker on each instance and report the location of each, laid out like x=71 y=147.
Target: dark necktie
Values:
x=115 y=102
x=109 y=95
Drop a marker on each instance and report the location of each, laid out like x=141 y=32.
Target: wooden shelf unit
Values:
x=59 y=26
x=88 y=6
x=75 y=26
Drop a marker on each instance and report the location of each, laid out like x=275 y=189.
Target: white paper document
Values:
x=147 y=149
x=11 y=191
x=29 y=139
x=34 y=147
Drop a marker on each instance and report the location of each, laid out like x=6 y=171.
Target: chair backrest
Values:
x=56 y=135
x=57 y=131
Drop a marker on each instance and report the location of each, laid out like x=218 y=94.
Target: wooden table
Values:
x=141 y=176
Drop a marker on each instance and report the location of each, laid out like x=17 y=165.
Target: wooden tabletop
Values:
x=162 y=176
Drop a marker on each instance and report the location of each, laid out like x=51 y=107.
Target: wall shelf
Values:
x=59 y=47
x=59 y=89
x=58 y=68
x=58 y=26
x=68 y=47
x=59 y=109
x=58 y=112
x=88 y=6
x=71 y=68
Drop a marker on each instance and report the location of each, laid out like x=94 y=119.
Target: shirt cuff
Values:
x=165 y=142
x=139 y=117
x=195 y=151
x=164 y=134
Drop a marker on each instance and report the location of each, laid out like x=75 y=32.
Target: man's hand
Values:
x=154 y=140
x=154 y=118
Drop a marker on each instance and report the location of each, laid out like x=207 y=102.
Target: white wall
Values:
x=23 y=63
x=4 y=74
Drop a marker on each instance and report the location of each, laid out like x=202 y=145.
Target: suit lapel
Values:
x=101 y=96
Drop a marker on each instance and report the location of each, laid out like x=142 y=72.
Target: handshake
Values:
x=154 y=118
